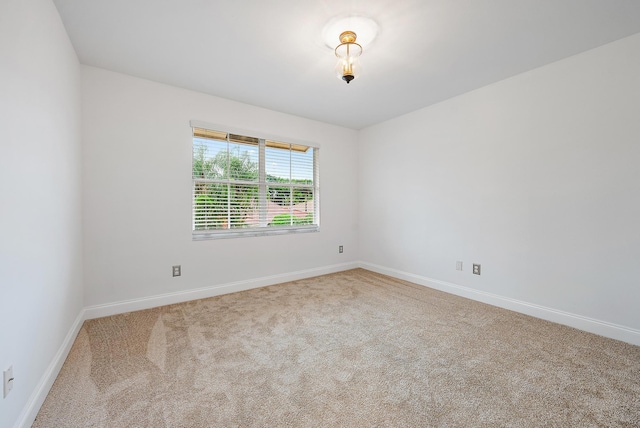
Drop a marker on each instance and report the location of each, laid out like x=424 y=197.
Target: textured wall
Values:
x=535 y=177
x=137 y=192
x=40 y=195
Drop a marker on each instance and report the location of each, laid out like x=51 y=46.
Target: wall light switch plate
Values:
x=177 y=270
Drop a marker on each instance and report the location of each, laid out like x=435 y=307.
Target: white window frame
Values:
x=263 y=229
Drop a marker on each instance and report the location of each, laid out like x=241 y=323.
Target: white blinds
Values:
x=246 y=184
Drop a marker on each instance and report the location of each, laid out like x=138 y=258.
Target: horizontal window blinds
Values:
x=245 y=184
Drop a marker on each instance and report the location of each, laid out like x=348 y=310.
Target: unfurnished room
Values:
x=320 y=213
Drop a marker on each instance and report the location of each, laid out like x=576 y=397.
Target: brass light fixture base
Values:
x=347 y=37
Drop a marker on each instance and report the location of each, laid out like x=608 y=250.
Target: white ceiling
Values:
x=270 y=53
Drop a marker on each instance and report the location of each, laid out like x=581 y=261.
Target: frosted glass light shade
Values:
x=348 y=53
x=348 y=69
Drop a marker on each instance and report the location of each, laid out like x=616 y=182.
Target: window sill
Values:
x=226 y=234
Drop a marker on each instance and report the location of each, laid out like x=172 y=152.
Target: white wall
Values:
x=137 y=193
x=40 y=197
x=536 y=177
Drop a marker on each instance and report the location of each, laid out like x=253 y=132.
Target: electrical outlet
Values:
x=340 y=249
x=458 y=265
x=177 y=270
x=476 y=269
x=8 y=381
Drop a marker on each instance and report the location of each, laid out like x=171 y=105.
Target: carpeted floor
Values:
x=348 y=349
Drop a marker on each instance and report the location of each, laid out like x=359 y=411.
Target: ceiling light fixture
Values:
x=348 y=53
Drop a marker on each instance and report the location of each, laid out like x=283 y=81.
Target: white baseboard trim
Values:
x=98 y=311
x=602 y=328
x=30 y=411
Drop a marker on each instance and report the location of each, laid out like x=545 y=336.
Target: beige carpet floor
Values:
x=348 y=349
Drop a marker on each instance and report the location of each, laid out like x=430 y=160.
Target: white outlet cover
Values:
x=7 y=381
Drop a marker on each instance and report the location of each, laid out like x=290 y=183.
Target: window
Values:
x=248 y=186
